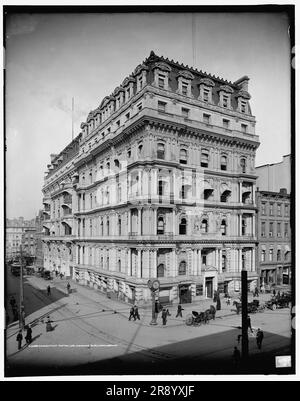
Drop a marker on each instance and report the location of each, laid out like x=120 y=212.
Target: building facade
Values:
x=14 y=231
x=273 y=177
x=274 y=237
x=162 y=186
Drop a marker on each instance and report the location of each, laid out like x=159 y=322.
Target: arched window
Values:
x=160 y=151
x=140 y=149
x=183 y=156
x=244 y=225
x=117 y=164
x=182 y=268
x=160 y=225
x=160 y=187
x=243 y=164
x=278 y=255
x=161 y=270
x=223 y=163
x=204 y=226
x=101 y=227
x=263 y=255
x=223 y=227
x=182 y=226
x=225 y=196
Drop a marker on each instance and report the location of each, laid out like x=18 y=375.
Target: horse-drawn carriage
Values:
x=199 y=318
x=252 y=307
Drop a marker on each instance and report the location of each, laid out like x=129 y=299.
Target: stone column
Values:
x=139 y=264
x=199 y=262
x=139 y=221
x=240 y=260
x=154 y=221
x=253 y=226
x=173 y=274
x=240 y=192
x=129 y=262
x=253 y=259
x=154 y=264
x=129 y=220
x=216 y=258
x=174 y=221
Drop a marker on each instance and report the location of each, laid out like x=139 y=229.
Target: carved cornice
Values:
x=140 y=68
x=207 y=82
x=162 y=66
x=226 y=88
x=244 y=94
x=127 y=80
x=186 y=74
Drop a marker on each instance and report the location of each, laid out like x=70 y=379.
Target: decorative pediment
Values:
x=140 y=68
x=226 y=88
x=244 y=94
x=186 y=74
x=162 y=66
x=104 y=102
x=127 y=80
x=207 y=82
x=83 y=125
x=209 y=268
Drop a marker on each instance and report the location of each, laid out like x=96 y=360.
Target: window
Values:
x=286 y=210
x=139 y=106
x=204 y=159
x=184 y=89
x=224 y=196
x=120 y=226
x=140 y=149
x=244 y=226
x=278 y=229
x=127 y=116
x=185 y=112
x=101 y=227
x=119 y=265
x=160 y=151
x=182 y=226
x=223 y=163
x=128 y=93
x=271 y=254
x=140 y=83
x=161 y=81
x=118 y=123
x=278 y=255
x=263 y=209
x=278 y=209
x=160 y=270
x=271 y=209
x=160 y=188
x=271 y=229
x=107 y=225
x=224 y=262
x=263 y=255
x=205 y=95
x=225 y=123
x=286 y=229
x=243 y=106
x=204 y=226
x=129 y=153
x=243 y=165
x=108 y=130
x=206 y=118
x=263 y=229
x=160 y=225
x=182 y=269
x=183 y=156
x=223 y=227
x=183 y=192
x=244 y=128
x=225 y=101
x=162 y=106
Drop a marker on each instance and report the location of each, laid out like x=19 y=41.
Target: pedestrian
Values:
x=131 y=314
x=236 y=356
x=19 y=339
x=48 y=324
x=136 y=313
x=218 y=302
x=179 y=310
x=228 y=300
x=28 y=336
x=274 y=293
x=259 y=338
x=48 y=290
x=15 y=312
x=249 y=324
x=69 y=288
x=165 y=313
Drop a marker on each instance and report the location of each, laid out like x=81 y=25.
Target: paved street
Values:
x=92 y=335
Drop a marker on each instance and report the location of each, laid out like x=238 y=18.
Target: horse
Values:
x=210 y=314
x=238 y=306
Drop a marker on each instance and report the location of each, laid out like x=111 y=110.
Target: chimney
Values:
x=243 y=83
x=283 y=191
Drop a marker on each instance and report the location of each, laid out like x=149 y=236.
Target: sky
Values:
x=51 y=58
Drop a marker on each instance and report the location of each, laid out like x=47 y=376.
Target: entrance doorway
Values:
x=209 y=287
x=185 y=295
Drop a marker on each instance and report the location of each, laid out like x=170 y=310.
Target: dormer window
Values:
x=225 y=96
x=206 y=95
x=184 y=89
x=225 y=101
x=206 y=86
x=161 y=81
x=243 y=105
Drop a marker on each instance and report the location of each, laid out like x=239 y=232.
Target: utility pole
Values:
x=21 y=309
x=245 y=342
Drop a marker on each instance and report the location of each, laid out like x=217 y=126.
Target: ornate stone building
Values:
x=162 y=186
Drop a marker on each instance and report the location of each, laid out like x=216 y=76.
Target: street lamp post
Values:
x=245 y=343
x=21 y=307
x=154 y=287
